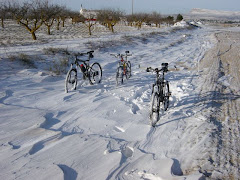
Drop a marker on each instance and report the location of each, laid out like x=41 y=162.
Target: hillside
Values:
x=207 y=14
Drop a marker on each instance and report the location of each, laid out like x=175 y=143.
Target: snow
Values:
x=102 y=131
x=180 y=24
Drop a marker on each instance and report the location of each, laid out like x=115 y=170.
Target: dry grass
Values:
x=24 y=59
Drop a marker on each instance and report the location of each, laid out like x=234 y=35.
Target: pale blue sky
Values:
x=161 y=6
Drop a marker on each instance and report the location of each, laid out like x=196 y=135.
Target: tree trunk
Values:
x=112 y=28
x=89 y=29
x=49 y=30
x=58 y=26
x=34 y=35
x=2 y=23
x=58 y=23
x=139 y=25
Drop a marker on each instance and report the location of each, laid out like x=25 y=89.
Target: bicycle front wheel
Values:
x=154 y=109
x=166 y=93
x=71 y=80
x=119 y=75
x=128 y=74
x=95 y=73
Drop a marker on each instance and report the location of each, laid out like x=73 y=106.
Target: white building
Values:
x=89 y=14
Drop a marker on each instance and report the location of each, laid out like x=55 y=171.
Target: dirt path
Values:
x=221 y=72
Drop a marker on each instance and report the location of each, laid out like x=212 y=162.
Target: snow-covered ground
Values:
x=102 y=131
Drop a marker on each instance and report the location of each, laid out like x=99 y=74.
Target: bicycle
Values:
x=124 y=67
x=160 y=94
x=93 y=72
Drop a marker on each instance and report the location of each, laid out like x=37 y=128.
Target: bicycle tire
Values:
x=166 y=95
x=154 y=109
x=71 y=80
x=119 y=76
x=128 y=74
x=95 y=73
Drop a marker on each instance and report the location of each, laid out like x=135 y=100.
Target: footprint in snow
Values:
x=127 y=151
x=8 y=93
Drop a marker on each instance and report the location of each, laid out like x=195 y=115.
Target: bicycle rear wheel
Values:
x=95 y=73
x=119 y=75
x=71 y=80
x=166 y=93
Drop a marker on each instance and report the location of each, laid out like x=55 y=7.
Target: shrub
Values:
x=179 y=17
x=24 y=59
x=54 y=51
x=60 y=66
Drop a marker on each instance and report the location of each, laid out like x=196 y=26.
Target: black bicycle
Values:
x=124 y=67
x=93 y=73
x=160 y=94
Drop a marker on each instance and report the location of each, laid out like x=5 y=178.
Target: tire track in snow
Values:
x=41 y=144
x=149 y=139
x=225 y=102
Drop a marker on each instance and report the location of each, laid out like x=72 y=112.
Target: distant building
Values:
x=89 y=14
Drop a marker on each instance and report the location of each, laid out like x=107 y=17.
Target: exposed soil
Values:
x=221 y=71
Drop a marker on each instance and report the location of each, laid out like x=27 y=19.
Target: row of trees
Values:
x=33 y=14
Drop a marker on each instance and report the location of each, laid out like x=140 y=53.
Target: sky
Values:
x=160 y=6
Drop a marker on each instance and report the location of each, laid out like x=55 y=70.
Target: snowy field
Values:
x=102 y=131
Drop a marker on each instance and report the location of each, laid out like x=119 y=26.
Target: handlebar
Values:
x=115 y=55
x=149 y=69
x=87 y=53
x=164 y=68
x=121 y=55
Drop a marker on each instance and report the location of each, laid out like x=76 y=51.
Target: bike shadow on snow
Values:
x=204 y=101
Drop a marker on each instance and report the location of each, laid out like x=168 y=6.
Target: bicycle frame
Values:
x=86 y=63
x=124 y=66
x=160 y=83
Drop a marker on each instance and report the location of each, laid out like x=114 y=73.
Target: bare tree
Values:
x=130 y=19
x=50 y=13
x=169 y=20
x=109 y=17
x=90 y=22
x=62 y=16
x=3 y=12
x=29 y=15
x=138 y=19
x=76 y=17
x=156 y=18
